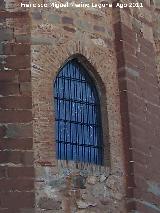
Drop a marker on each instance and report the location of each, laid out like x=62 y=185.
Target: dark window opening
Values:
x=78 y=116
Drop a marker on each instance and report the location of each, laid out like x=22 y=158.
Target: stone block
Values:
x=6 y=34
x=53 y=19
x=49 y=204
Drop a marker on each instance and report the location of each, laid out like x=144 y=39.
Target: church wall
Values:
x=139 y=95
x=56 y=36
x=120 y=47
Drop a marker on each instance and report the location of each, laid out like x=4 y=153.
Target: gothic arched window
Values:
x=78 y=115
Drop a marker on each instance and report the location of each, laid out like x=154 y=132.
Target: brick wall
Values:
x=156 y=29
x=123 y=49
x=140 y=107
x=58 y=35
x=16 y=154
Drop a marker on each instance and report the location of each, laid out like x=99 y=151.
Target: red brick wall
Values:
x=16 y=156
x=58 y=35
x=140 y=112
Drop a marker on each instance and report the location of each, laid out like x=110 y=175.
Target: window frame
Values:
x=101 y=92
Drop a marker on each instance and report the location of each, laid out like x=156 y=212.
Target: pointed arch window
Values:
x=77 y=115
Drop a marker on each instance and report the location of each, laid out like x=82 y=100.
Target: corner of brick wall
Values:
x=156 y=28
x=16 y=154
x=140 y=108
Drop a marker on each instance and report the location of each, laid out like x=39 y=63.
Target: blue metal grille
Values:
x=77 y=111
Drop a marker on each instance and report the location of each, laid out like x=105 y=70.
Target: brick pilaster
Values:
x=140 y=111
x=16 y=154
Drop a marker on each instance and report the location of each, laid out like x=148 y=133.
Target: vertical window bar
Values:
x=76 y=128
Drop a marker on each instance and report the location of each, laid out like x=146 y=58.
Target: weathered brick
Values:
x=146 y=59
x=9 y=89
x=1 y=48
x=147 y=51
x=20 y=172
x=120 y=60
x=9 y=210
x=16 y=157
x=28 y=158
x=24 y=75
x=131 y=205
x=16 y=49
x=16 y=144
x=25 y=88
x=4 y=210
x=19 y=62
x=16 y=184
x=2 y=131
x=15 y=102
x=25 y=39
x=141 y=158
x=19 y=131
x=25 y=199
x=8 y=76
x=15 y=14
x=142 y=207
x=125 y=34
x=149 y=198
x=10 y=157
x=15 y=116
x=2 y=171
x=27 y=210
